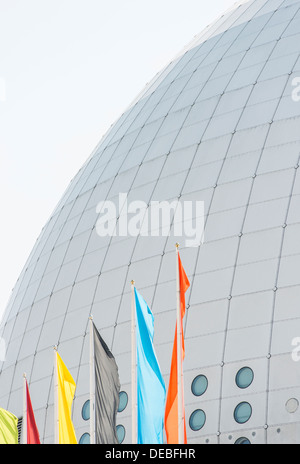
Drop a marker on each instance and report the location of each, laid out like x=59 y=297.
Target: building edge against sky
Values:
x=218 y=125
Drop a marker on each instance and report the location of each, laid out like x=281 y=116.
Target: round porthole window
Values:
x=242 y=441
x=292 y=405
x=123 y=401
x=244 y=377
x=84 y=439
x=197 y=420
x=199 y=385
x=86 y=410
x=242 y=413
x=121 y=433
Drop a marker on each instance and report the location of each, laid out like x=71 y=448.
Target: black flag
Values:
x=107 y=388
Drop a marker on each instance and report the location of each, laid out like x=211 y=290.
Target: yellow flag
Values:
x=66 y=391
x=8 y=428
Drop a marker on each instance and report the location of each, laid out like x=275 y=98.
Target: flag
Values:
x=171 y=412
x=151 y=392
x=107 y=388
x=8 y=428
x=32 y=434
x=65 y=392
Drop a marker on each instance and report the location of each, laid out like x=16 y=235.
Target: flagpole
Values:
x=133 y=367
x=24 y=410
x=92 y=385
x=179 y=356
x=56 y=416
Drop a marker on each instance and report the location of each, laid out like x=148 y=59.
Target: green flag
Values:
x=8 y=428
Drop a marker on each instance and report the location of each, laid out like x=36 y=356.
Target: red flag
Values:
x=171 y=412
x=32 y=431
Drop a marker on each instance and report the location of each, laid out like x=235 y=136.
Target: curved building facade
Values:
x=220 y=124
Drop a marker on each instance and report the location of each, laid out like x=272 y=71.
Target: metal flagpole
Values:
x=179 y=356
x=92 y=384
x=24 y=411
x=133 y=366
x=56 y=415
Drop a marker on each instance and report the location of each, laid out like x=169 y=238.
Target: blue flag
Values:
x=151 y=391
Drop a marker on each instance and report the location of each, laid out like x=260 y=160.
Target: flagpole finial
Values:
x=24 y=375
x=55 y=347
x=132 y=282
x=90 y=317
x=177 y=245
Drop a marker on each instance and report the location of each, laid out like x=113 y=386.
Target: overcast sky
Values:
x=68 y=69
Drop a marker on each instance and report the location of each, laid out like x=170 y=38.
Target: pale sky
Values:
x=68 y=70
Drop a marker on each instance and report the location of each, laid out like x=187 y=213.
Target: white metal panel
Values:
x=246 y=351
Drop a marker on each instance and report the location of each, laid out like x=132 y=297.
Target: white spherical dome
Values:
x=220 y=124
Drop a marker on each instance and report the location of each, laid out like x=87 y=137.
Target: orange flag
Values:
x=171 y=411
